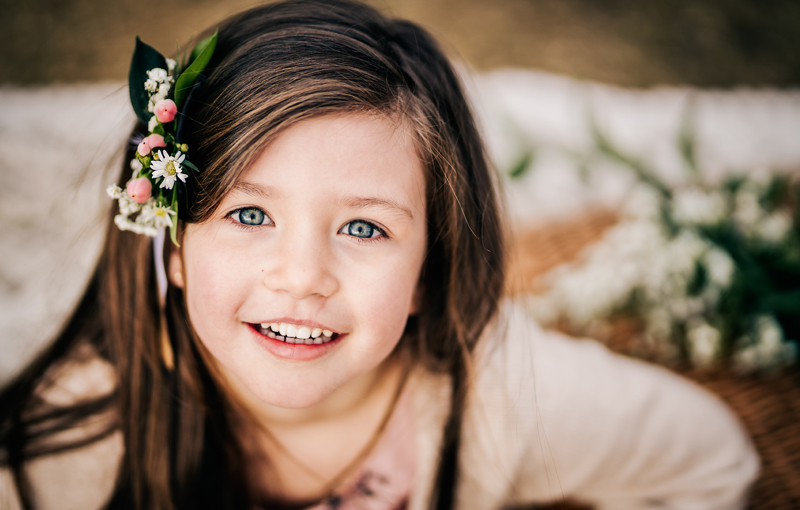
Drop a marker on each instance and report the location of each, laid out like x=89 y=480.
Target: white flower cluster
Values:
x=697 y=207
x=158 y=84
x=765 y=347
x=638 y=261
x=754 y=220
x=151 y=217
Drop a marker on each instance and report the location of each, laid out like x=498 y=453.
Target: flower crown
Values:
x=159 y=89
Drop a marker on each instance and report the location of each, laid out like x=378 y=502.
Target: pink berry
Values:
x=155 y=141
x=165 y=110
x=139 y=189
x=144 y=148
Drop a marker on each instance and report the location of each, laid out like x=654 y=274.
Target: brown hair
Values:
x=274 y=66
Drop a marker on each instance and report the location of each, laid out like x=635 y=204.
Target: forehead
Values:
x=355 y=154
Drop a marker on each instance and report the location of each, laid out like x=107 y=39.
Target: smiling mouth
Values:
x=293 y=334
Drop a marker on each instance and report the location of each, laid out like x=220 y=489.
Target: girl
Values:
x=333 y=334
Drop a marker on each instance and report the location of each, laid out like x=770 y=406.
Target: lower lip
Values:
x=295 y=352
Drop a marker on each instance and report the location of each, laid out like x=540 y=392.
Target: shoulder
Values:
x=79 y=478
x=567 y=417
x=519 y=360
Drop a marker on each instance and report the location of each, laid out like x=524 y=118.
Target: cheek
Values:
x=386 y=299
x=214 y=292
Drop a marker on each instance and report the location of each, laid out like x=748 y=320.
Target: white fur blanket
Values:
x=60 y=148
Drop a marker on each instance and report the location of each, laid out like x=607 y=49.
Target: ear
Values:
x=175 y=269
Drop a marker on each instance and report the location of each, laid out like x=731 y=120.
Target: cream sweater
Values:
x=548 y=418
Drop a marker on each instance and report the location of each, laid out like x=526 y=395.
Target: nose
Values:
x=299 y=265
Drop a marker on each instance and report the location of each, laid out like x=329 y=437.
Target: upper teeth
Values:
x=292 y=330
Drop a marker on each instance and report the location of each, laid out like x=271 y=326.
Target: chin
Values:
x=292 y=392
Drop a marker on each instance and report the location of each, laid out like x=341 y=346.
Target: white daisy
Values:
x=155 y=215
x=168 y=167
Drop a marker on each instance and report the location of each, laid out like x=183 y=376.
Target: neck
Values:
x=303 y=454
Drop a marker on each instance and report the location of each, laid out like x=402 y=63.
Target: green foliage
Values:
x=199 y=59
x=522 y=166
x=145 y=58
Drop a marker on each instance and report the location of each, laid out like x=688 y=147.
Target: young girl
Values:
x=333 y=334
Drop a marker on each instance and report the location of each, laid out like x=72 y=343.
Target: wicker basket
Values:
x=769 y=406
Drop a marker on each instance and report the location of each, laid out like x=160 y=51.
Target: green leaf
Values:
x=173 y=227
x=687 y=141
x=159 y=129
x=173 y=231
x=145 y=58
x=190 y=165
x=522 y=166
x=201 y=46
x=201 y=56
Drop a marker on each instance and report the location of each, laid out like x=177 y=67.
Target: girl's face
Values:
x=322 y=239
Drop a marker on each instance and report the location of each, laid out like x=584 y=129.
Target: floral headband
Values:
x=159 y=89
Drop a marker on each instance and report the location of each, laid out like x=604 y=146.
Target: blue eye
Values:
x=249 y=216
x=360 y=229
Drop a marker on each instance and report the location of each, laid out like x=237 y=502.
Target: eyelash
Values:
x=363 y=240
x=366 y=240
x=242 y=226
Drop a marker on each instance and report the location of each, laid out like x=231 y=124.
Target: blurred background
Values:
x=708 y=43
x=649 y=152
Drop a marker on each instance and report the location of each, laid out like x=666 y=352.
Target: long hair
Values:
x=274 y=66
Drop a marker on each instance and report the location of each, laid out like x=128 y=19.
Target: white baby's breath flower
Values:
x=747 y=211
x=155 y=215
x=152 y=123
x=127 y=205
x=157 y=74
x=163 y=89
x=659 y=324
x=170 y=65
x=114 y=191
x=774 y=227
x=768 y=332
x=123 y=223
x=768 y=350
x=644 y=202
x=696 y=207
x=151 y=85
x=704 y=342
x=719 y=266
x=168 y=167
x=136 y=165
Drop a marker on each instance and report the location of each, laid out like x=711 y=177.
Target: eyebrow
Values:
x=383 y=203
x=353 y=202
x=255 y=190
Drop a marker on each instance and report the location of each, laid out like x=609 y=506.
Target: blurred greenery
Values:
x=639 y=43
